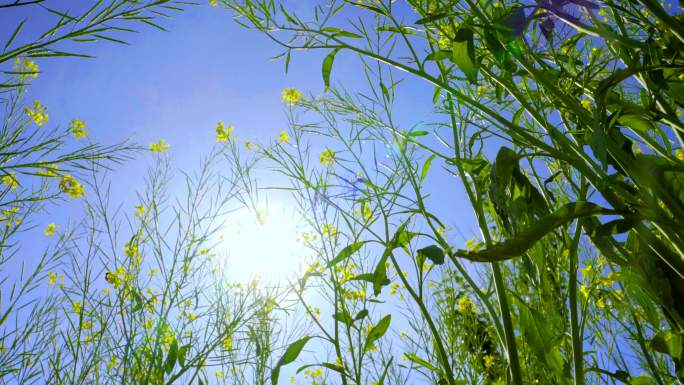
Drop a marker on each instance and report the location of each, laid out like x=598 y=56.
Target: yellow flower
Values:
x=159 y=147
x=223 y=134
x=291 y=96
x=213 y=3
x=585 y=291
x=50 y=229
x=488 y=361
x=465 y=305
x=587 y=270
x=113 y=361
x=283 y=138
x=50 y=170
x=600 y=303
x=77 y=307
x=54 y=277
x=366 y=211
x=10 y=180
x=393 y=288
x=219 y=374
x=37 y=113
x=328 y=230
x=679 y=154
x=105 y=291
x=292 y=379
x=27 y=67
x=228 y=343
x=77 y=127
x=586 y=103
x=87 y=325
x=69 y=185
x=153 y=272
x=132 y=252
x=117 y=277
x=140 y=211
x=328 y=157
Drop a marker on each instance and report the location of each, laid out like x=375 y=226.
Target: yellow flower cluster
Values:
x=26 y=67
x=50 y=229
x=159 y=147
x=328 y=230
x=113 y=361
x=49 y=170
x=77 y=307
x=213 y=3
x=228 y=343
x=132 y=252
x=224 y=134
x=586 y=103
x=140 y=211
x=465 y=305
x=69 y=185
x=38 y=113
x=54 y=277
x=291 y=96
x=283 y=138
x=10 y=180
x=8 y=215
x=77 y=128
x=116 y=278
x=328 y=157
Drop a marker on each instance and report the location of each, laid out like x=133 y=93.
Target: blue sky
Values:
x=176 y=85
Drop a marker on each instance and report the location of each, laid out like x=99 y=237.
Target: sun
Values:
x=264 y=243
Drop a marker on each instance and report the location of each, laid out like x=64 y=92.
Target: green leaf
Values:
x=426 y=167
x=415 y=359
x=346 y=253
x=327 y=66
x=434 y=253
x=667 y=342
x=15 y=33
x=291 y=354
x=439 y=55
x=463 y=53
x=401 y=238
x=377 y=331
x=361 y=315
x=182 y=354
x=638 y=123
x=418 y=133
x=518 y=245
x=344 y=317
x=171 y=357
x=341 y=32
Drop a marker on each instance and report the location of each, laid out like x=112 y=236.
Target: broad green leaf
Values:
x=327 y=66
x=433 y=252
x=291 y=354
x=171 y=357
x=360 y=315
x=519 y=244
x=377 y=331
x=346 y=253
x=439 y=55
x=182 y=354
x=463 y=53
x=667 y=342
